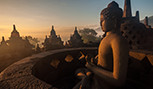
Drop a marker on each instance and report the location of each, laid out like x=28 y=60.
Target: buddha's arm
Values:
x=120 y=63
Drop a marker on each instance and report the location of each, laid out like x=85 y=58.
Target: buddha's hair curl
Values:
x=112 y=11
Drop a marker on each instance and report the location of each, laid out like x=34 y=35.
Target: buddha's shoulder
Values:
x=118 y=38
x=117 y=35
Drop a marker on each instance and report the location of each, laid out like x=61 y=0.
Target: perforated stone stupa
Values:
x=139 y=35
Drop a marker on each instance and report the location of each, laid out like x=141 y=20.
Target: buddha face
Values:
x=107 y=24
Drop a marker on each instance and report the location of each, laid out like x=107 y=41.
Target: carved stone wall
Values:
x=137 y=35
x=21 y=75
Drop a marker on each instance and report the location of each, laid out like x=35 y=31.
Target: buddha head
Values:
x=111 y=17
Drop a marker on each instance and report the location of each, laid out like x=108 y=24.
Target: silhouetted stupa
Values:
x=75 y=39
x=53 y=42
x=3 y=42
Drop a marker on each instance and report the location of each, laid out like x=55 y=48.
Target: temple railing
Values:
x=38 y=71
x=59 y=68
x=56 y=68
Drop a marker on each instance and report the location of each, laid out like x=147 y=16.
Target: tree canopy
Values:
x=32 y=40
x=89 y=35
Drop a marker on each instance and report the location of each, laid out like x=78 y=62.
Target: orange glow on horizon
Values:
x=38 y=32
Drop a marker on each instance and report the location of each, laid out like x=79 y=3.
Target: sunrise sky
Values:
x=35 y=17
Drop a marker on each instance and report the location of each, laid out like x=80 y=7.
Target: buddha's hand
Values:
x=89 y=65
x=89 y=58
x=92 y=59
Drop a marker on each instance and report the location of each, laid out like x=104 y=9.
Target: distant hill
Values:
x=150 y=20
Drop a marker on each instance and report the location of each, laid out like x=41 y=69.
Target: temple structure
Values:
x=37 y=49
x=127 y=9
x=16 y=45
x=15 y=33
x=146 y=23
x=56 y=69
x=53 y=42
x=75 y=39
x=3 y=47
x=3 y=42
x=138 y=34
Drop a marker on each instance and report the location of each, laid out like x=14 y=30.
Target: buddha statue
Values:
x=111 y=69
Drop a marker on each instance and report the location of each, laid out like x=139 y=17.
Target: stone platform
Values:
x=34 y=72
x=19 y=75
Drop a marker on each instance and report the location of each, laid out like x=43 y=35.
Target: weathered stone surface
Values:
x=140 y=69
x=137 y=55
x=19 y=75
x=140 y=54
